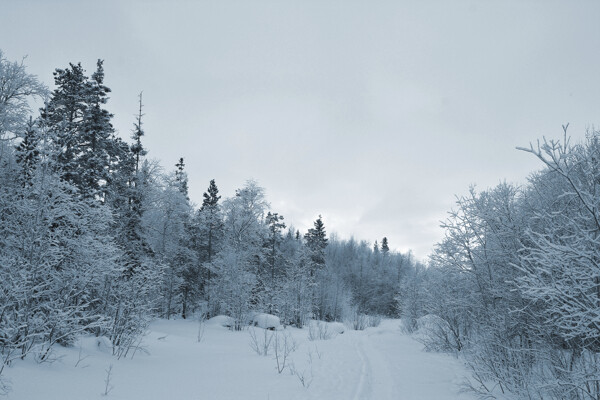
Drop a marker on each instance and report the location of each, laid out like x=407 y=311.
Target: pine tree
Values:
x=275 y=262
x=63 y=117
x=126 y=195
x=385 y=248
x=97 y=135
x=176 y=250
x=181 y=177
x=27 y=153
x=137 y=149
x=212 y=222
x=275 y=224
x=316 y=241
x=211 y=196
x=88 y=153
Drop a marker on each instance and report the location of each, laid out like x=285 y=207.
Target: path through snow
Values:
x=378 y=363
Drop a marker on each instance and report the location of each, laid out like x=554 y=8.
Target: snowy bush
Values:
x=373 y=321
x=321 y=330
x=266 y=321
x=359 y=321
x=436 y=334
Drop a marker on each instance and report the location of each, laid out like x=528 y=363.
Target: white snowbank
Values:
x=381 y=363
x=266 y=321
x=321 y=330
x=337 y=327
x=221 y=320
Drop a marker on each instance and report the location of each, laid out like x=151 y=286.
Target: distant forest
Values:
x=97 y=239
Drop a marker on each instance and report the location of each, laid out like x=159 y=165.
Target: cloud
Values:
x=372 y=114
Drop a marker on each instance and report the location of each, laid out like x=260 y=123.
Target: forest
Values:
x=96 y=238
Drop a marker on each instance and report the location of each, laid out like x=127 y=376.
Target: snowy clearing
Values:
x=377 y=363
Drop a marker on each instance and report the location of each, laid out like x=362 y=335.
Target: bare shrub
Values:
x=437 y=334
x=305 y=376
x=260 y=342
x=81 y=357
x=5 y=386
x=201 y=326
x=107 y=386
x=283 y=346
x=373 y=321
x=359 y=322
x=318 y=330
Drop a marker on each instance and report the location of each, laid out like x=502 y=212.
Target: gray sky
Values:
x=374 y=114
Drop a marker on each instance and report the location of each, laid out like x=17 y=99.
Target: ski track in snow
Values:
x=364 y=382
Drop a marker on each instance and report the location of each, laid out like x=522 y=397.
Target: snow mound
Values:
x=266 y=321
x=337 y=327
x=221 y=320
x=321 y=330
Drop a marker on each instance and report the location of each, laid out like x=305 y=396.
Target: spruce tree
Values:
x=275 y=224
x=210 y=209
x=208 y=232
x=316 y=241
x=137 y=149
x=82 y=130
x=181 y=177
x=27 y=153
x=63 y=117
x=211 y=196
x=385 y=248
x=126 y=196
x=96 y=146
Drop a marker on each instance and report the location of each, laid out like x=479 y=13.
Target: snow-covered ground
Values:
x=378 y=363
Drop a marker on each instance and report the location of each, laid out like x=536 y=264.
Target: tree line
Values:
x=95 y=238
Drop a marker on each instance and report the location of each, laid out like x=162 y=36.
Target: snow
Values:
x=337 y=327
x=221 y=320
x=266 y=321
x=377 y=363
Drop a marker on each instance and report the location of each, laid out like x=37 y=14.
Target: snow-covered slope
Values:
x=378 y=363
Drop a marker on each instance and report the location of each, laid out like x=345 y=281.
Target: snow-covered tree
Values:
x=242 y=256
x=18 y=89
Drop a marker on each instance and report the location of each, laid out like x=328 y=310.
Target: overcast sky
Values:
x=374 y=114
